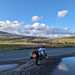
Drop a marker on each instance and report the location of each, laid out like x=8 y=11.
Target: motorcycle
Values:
x=38 y=58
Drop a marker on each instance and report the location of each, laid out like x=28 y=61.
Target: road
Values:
x=27 y=66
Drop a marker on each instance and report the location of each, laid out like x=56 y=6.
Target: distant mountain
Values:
x=51 y=32
x=54 y=33
x=11 y=35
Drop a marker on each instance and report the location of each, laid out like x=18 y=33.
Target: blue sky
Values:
x=23 y=10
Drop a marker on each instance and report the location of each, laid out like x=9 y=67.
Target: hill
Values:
x=8 y=40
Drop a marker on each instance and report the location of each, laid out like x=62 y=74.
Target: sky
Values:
x=53 y=13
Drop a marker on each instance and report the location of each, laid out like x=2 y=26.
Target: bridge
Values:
x=28 y=67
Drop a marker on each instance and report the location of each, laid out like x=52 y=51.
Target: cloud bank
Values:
x=10 y=26
x=36 y=28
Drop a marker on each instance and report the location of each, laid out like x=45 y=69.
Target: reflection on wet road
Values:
x=66 y=67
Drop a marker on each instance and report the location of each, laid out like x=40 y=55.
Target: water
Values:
x=65 y=67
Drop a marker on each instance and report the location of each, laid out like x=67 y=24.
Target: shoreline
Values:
x=22 y=46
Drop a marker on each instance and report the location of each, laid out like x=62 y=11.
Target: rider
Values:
x=35 y=56
x=38 y=54
x=41 y=52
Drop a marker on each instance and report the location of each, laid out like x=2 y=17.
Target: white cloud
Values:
x=41 y=29
x=36 y=18
x=36 y=25
x=35 y=29
x=39 y=26
x=10 y=26
x=8 y=22
x=62 y=13
x=66 y=28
